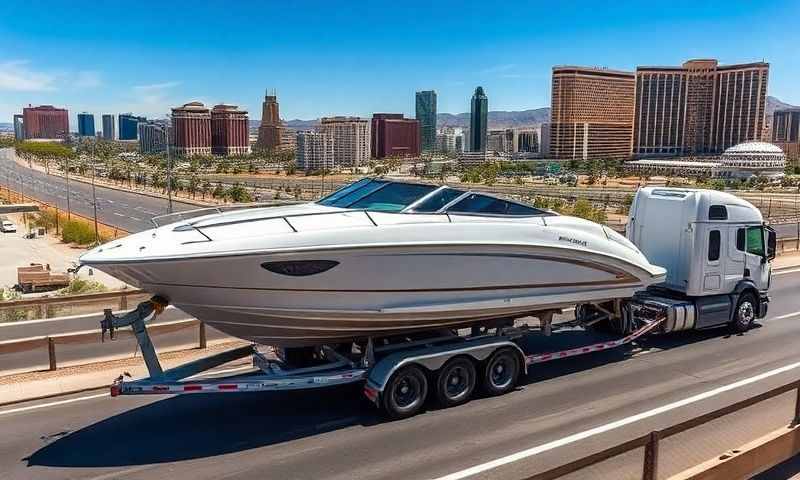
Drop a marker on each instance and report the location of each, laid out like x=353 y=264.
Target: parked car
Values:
x=7 y=226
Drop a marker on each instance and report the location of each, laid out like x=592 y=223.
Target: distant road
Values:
x=126 y=210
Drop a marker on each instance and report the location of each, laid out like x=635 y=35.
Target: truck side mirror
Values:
x=772 y=241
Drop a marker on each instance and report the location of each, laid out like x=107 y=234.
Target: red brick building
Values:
x=191 y=126
x=45 y=121
x=230 y=133
x=394 y=136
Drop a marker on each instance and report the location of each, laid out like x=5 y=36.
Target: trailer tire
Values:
x=501 y=371
x=405 y=392
x=745 y=313
x=455 y=382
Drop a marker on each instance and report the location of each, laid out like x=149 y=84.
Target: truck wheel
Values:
x=405 y=392
x=745 y=313
x=501 y=372
x=455 y=382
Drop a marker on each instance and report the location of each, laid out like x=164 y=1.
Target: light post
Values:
x=94 y=198
x=169 y=174
x=66 y=161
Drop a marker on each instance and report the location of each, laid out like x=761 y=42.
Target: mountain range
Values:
x=506 y=119
x=497 y=118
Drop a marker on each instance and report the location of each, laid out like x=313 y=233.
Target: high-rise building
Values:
x=478 y=121
x=501 y=141
x=394 y=136
x=229 y=131
x=45 y=121
x=591 y=113
x=351 y=140
x=786 y=133
x=270 y=132
x=288 y=139
x=191 y=130
x=314 y=151
x=19 y=127
x=86 y=124
x=698 y=108
x=152 y=137
x=128 y=126
x=525 y=140
x=109 y=130
x=426 y=116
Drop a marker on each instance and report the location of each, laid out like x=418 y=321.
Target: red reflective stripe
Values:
x=192 y=388
x=228 y=387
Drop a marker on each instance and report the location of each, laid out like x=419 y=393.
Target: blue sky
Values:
x=361 y=57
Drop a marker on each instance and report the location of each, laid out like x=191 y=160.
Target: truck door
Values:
x=713 y=269
x=757 y=268
x=735 y=258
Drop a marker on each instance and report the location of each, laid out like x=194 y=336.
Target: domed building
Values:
x=749 y=159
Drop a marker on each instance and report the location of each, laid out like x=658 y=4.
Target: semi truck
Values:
x=715 y=246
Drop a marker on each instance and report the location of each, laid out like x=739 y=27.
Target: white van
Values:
x=7 y=226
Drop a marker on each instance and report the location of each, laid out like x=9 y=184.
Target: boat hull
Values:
x=379 y=291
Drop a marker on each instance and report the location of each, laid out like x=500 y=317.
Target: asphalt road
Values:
x=129 y=211
x=67 y=355
x=333 y=434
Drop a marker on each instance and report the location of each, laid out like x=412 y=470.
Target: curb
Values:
x=54 y=395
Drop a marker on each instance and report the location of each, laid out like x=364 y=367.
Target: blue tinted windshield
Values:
x=331 y=199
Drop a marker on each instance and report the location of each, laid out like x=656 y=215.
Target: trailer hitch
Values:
x=136 y=319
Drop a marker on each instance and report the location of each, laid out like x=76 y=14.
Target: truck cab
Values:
x=716 y=249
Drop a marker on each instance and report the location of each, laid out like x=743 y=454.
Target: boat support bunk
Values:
x=396 y=376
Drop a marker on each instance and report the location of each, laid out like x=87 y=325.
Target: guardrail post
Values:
x=123 y=302
x=796 y=420
x=650 y=468
x=41 y=311
x=51 y=352
x=202 y=335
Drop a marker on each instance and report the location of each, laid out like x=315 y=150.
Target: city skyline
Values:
x=353 y=78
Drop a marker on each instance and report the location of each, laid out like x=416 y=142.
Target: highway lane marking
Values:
x=118 y=214
x=530 y=452
x=781 y=317
x=784 y=272
x=53 y=404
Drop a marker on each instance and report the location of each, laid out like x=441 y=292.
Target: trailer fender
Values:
x=432 y=359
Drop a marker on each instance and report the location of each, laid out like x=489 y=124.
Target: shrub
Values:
x=44 y=219
x=78 y=286
x=75 y=231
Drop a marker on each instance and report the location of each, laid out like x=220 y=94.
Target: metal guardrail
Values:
x=93 y=336
x=41 y=304
x=650 y=441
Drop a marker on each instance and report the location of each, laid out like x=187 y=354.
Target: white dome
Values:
x=754 y=147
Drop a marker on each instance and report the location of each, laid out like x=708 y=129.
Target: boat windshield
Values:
x=377 y=195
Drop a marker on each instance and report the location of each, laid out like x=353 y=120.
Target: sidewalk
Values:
x=34 y=385
x=787 y=260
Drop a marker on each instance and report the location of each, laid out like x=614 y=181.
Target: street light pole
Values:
x=169 y=174
x=66 y=160
x=94 y=198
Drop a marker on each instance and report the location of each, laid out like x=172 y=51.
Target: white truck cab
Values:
x=716 y=249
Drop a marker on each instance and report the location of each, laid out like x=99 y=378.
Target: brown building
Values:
x=394 y=136
x=786 y=133
x=191 y=126
x=592 y=113
x=229 y=131
x=698 y=108
x=270 y=132
x=45 y=121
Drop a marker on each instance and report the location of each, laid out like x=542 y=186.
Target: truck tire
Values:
x=745 y=313
x=501 y=371
x=455 y=382
x=405 y=392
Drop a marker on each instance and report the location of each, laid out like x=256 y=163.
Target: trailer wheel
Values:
x=501 y=372
x=405 y=392
x=745 y=313
x=455 y=382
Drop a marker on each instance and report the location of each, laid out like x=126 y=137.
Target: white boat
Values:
x=376 y=258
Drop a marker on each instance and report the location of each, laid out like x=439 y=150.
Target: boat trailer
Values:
x=432 y=354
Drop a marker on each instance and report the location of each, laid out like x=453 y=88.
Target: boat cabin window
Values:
x=328 y=200
x=438 y=200
x=476 y=203
x=393 y=197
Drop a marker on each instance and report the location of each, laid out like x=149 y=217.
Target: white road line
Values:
x=118 y=214
x=784 y=272
x=781 y=317
x=514 y=457
x=53 y=404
